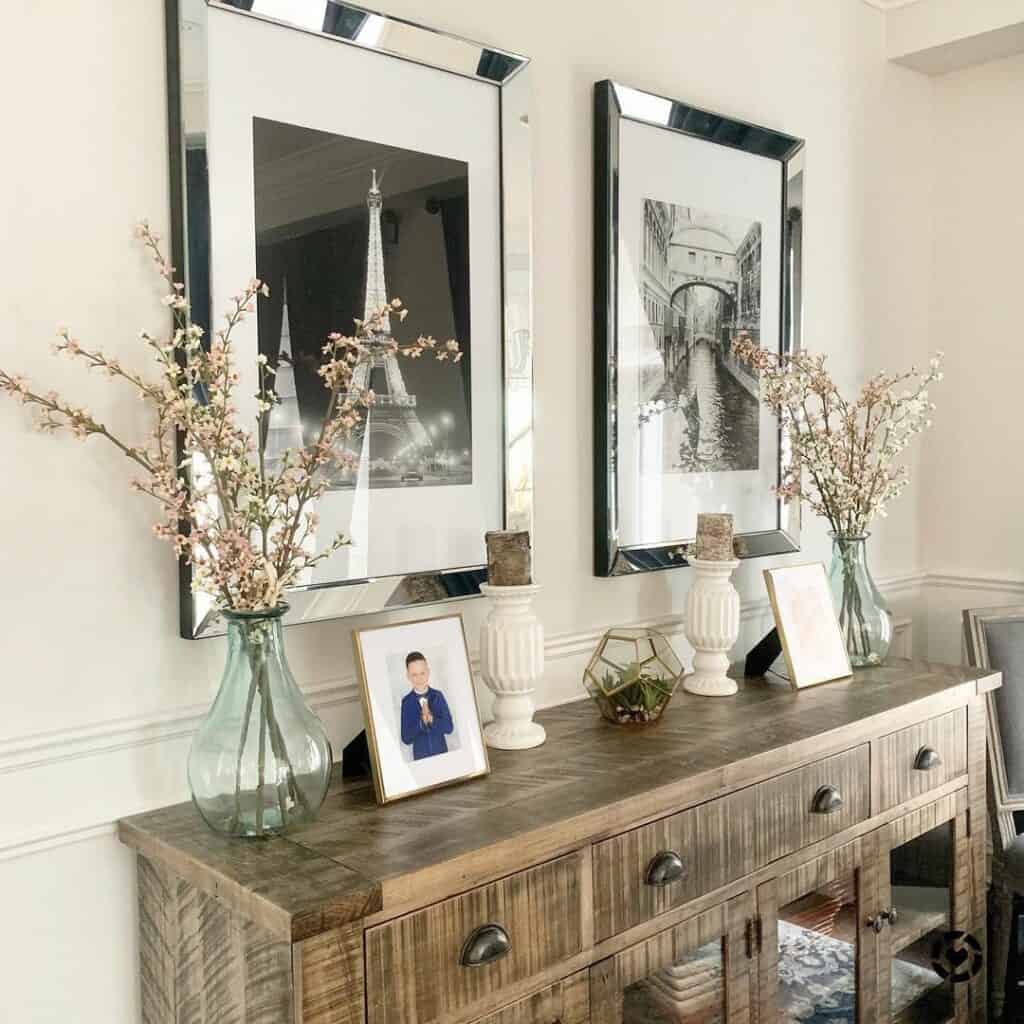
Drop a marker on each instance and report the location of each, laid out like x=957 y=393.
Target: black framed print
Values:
x=349 y=160
x=698 y=222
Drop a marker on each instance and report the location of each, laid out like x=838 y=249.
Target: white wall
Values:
x=99 y=693
x=971 y=532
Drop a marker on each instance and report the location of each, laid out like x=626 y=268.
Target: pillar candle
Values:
x=714 y=537
x=508 y=558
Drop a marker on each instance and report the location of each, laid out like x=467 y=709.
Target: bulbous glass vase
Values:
x=261 y=760
x=864 y=617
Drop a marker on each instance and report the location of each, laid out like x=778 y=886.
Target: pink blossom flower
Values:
x=237 y=506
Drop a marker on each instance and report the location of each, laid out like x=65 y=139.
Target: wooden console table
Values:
x=704 y=869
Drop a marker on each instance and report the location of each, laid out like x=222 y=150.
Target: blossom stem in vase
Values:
x=236 y=820
x=864 y=618
x=841 y=460
x=261 y=761
x=245 y=526
x=261 y=776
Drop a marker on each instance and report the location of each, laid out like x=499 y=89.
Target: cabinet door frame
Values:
x=858 y=857
x=565 y=1002
x=731 y=921
x=952 y=811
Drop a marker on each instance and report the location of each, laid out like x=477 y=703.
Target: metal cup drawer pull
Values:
x=827 y=800
x=665 y=868
x=927 y=759
x=486 y=944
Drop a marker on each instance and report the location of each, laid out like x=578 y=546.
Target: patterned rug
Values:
x=818 y=978
x=817 y=984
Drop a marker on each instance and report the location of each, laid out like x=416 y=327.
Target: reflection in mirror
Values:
x=392 y=35
x=518 y=270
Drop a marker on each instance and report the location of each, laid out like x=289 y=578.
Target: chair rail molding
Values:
x=122 y=766
x=952 y=579
x=889 y=5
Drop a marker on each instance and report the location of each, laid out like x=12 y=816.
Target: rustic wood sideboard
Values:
x=746 y=856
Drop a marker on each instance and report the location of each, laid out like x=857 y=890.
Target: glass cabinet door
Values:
x=816 y=960
x=922 y=918
x=697 y=972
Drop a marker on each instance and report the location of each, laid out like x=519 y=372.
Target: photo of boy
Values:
x=426 y=719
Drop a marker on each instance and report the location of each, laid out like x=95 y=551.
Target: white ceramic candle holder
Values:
x=512 y=663
x=712 y=625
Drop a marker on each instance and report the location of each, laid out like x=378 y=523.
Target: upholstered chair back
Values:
x=995 y=639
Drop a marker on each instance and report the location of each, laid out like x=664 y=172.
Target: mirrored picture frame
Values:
x=698 y=222
x=271 y=106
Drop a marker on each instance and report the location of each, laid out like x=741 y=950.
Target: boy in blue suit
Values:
x=426 y=719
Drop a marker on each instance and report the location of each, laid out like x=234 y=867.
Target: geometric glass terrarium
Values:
x=632 y=676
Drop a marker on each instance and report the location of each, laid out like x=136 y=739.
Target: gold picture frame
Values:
x=378 y=651
x=808 y=627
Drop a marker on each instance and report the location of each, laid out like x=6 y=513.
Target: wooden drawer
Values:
x=414 y=969
x=785 y=817
x=624 y=893
x=724 y=839
x=920 y=758
x=565 y=1002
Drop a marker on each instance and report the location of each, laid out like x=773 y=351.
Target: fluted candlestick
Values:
x=512 y=663
x=712 y=624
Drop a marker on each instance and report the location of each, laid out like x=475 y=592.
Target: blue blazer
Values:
x=426 y=740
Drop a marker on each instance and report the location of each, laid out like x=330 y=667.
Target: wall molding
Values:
x=55 y=840
x=40 y=751
x=889 y=5
x=950 y=580
x=45 y=748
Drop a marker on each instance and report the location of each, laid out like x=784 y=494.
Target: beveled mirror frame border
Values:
x=497 y=68
x=611 y=559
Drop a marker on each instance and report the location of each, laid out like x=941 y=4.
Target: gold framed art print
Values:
x=808 y=628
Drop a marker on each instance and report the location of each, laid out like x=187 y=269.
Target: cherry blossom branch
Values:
x=847 y=448
x=246 y=533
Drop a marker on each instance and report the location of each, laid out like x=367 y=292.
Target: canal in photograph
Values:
x=711 y=422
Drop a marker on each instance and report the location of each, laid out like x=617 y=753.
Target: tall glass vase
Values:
x=864 y=617
x=261 y=760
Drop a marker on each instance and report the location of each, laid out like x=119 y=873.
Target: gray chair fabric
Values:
x=1013 y=864
x=1005 y=642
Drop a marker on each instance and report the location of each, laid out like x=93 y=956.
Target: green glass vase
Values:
x=260 y=762
x=864 y=617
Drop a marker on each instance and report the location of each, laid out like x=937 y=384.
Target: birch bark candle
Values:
x=508 y=558
x=714 y=537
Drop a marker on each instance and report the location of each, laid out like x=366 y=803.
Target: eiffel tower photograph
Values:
x=370 y=223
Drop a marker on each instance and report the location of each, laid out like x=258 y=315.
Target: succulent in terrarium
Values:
x=632 y=676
